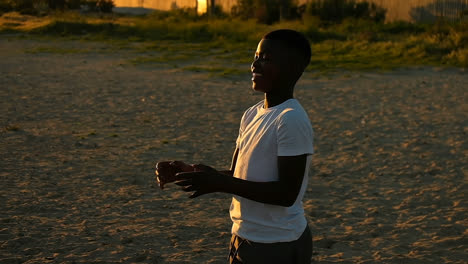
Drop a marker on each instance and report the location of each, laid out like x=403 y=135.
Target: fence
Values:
x=157 y=4
x=422 y=10
x=408 y=10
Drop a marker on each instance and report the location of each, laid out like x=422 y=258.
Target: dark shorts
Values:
x=242 y=251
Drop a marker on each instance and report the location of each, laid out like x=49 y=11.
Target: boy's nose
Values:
x=255 y=64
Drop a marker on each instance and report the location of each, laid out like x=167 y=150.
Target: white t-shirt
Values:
x=265 y=134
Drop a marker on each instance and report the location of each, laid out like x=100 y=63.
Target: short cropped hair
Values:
x=293 y=40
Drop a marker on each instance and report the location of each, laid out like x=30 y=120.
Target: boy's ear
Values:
x=295 y=70
x=299 y=66
x=299 y=62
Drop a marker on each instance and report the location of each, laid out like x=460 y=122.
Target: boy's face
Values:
x=266 y=67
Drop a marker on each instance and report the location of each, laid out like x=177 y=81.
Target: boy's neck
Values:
x=275 y=99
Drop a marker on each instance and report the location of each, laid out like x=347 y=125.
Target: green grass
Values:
x=218 y=70
x=363 y=55
x=55 y=50
x=164 y=58
x=218 y=58
x=225 y=46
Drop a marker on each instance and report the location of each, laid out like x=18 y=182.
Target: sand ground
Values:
x=81 y=132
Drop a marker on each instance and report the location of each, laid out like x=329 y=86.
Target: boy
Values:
x=269 y=170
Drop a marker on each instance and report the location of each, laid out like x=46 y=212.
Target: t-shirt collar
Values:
x=262 y=109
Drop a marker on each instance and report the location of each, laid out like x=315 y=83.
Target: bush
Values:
x=335 y=11
x=458 y=57
x=266 y=11
x=216 y=11
x=73 y=4
x=402 y=27
x=57 y=4
x=28 y=7
x=174 y=15
x=104 y=6
x=18 y=5
x=5 y=6
x=36 y=7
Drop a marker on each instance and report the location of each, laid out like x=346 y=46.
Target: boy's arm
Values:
x=166 y=170
x=283 y=192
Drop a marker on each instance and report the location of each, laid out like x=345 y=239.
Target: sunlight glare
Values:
x=201 y=9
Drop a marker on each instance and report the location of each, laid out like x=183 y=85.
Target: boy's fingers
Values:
x=183 y=182
x=176 y=163
x=163 y=168
x=202 y=167
x=186 y=175
x=163 y=164
x=160 y=184
x=189 y=188
x=182 y=176
x=195 y=194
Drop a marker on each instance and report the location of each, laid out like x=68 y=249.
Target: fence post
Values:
x=212 y=7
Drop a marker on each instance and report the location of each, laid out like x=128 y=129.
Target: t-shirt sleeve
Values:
x=241 y=129
x=295 y=134
x=238 y=138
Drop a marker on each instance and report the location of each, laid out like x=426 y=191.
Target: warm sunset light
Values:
x=165 y=5
x=201 y=7
x=233 y=131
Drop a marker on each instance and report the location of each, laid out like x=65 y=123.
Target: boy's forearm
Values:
x=273 y=193
x=227 y=172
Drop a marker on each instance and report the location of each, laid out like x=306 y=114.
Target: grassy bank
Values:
x=227 y=44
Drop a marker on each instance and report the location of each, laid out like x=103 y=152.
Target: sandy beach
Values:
x=81 y=132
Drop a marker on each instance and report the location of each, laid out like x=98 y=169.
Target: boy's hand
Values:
x=202 y=180
x=166 y=171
